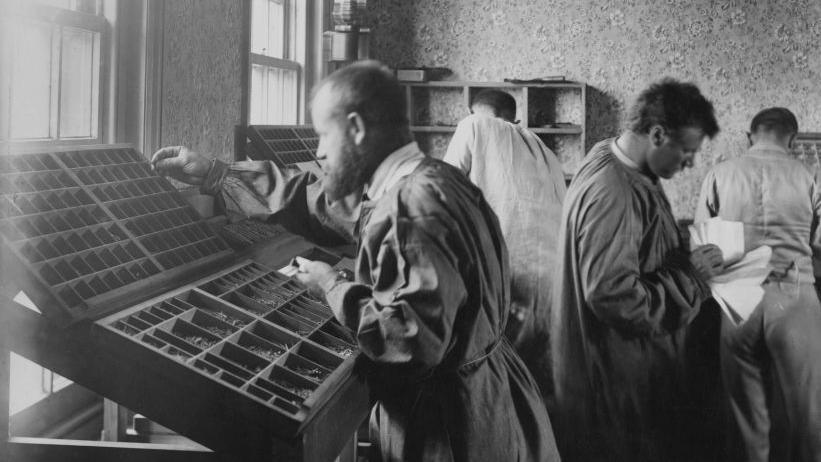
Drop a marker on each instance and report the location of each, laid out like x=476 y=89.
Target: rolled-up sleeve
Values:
x=290 y=197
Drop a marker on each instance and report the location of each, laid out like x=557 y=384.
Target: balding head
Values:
x=776 y=122
x=495 y=103
x=369 y=89
x=359 y=113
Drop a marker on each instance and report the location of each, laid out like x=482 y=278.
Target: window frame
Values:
x=58 y=18
x=298 y=58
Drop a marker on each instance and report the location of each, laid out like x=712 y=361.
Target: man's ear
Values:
x=356 y=128
x=791 y=143
x=657 y=134
x=750 y=140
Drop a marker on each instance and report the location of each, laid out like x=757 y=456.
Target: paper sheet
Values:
x=738 y=290
x=727 y=235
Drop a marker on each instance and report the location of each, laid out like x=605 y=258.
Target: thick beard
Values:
x=349 y=177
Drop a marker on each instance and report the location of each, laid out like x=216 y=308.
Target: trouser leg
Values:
x=743 y=371
x=793 y=339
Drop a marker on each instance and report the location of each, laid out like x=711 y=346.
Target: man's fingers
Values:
x=166 y=152
x=168 y=165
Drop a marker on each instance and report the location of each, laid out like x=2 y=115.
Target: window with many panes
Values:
x=53 y=71
x=277 y=60
x=54 y=68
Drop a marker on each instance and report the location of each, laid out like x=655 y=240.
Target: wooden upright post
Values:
x=5 y=389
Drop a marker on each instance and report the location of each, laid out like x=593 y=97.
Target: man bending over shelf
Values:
x=431 y=295
x=522 y=180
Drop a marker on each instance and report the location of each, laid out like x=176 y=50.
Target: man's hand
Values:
x=318 y=276
x=182 y=164
x=708 y=261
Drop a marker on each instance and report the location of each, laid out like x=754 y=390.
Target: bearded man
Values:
x=430 y=298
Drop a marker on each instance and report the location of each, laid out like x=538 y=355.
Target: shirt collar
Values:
x=622 y=156
x=397 y=165
x=767 y=146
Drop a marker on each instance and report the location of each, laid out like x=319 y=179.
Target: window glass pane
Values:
x=30 y=383
x=290 y=96
x=298 y=31
x=31 y=81
x=273 y=95
x=56 y=3
x=257 y=97
x=268 y=27
x=26 y=384
x=85 y=6
x=259 y=26
x=77 y=84
x=276 y=29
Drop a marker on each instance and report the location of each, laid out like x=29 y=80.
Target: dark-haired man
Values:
x=431 y=293
x=771 y=363
x=522 y=180
x=625 y=289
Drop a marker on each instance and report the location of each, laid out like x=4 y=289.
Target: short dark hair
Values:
x=779 y=120
x=370 y=89
x=501 y=102
x=673 y=105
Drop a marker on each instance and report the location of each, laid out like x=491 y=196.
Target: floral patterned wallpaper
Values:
x=744 y=54
x=202 y=85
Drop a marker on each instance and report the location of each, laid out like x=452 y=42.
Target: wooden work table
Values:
x=206 y=411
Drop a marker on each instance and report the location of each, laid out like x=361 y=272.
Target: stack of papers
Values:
x=738 y=289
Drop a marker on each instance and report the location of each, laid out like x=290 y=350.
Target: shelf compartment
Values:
x=271 y=297
x=306 y=368
x=259 y=393
x=231 y=379
x=303 y=315
x=251 y=304
x=318 y=356
x=228 y=366
x=149 y=318
x=262 y=348
x=159 y=312
x=153 y=341
x=178 y=332
x=558 y=130
x=332 y=343
x=291 y=324
x=433 y=129
x=318 y=308
x=335 y=329
x=233 y=280
x=240 y=357
x=290 y=382
x=274 y=335
x=224 y=313
x=209 y=323
x=206 y=367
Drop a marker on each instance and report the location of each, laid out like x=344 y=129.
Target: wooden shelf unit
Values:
x=556 y=112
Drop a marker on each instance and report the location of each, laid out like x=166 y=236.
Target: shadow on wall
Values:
x=603 y=114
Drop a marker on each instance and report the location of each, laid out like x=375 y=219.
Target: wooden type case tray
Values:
x=242 y=360
x=248 y=231
x=92 y=228
x=277 y=350
x=285 y=145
